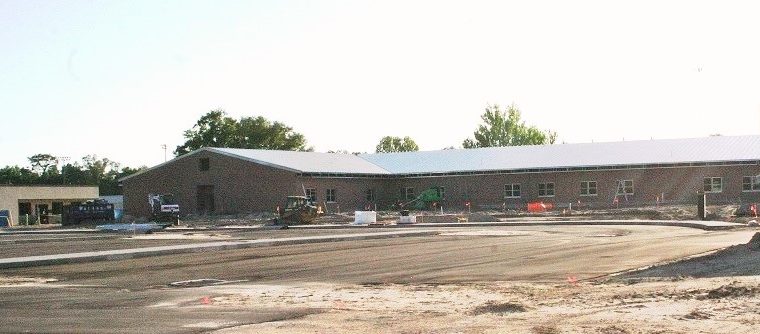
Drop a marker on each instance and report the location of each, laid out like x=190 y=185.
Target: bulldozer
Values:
x=297 y=210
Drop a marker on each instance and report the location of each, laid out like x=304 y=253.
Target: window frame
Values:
x=712 y=184
x=369 y=195
x=588 y=187
x=754 y=184
x=510 y=193
x=331 y=195
x=407 y=191
x=546 y=189
x=311 y=193
x=625 y=188
x=204 y=164
x=442 y=193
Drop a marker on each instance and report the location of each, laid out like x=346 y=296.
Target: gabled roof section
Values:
x=294 y=161
x=306 y=162
x=668 y=151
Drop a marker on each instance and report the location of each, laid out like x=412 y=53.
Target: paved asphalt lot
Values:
x=121 y=296
x=16 y=245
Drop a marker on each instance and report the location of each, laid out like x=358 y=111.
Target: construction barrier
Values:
x=536 y=207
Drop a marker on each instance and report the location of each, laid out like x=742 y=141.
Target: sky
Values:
x=119 y=79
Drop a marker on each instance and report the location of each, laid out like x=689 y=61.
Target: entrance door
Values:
x=205 y=199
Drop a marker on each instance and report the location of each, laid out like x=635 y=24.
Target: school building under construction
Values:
x=597 y=175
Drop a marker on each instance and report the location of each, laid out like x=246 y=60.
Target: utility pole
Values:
x=164 y=147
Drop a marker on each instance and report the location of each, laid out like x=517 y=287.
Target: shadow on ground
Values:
x=738 y=260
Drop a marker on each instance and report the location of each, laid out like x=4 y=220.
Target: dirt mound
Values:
x=731 y=291
x=499 y=308
x=614 y=330
x=754 y=243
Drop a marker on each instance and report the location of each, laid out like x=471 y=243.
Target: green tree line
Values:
x=216 y=129
x=46 y=169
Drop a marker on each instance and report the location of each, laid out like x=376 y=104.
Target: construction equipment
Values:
x=163 y=208
x=299 y=210
x=427 y=199
x=89 y=211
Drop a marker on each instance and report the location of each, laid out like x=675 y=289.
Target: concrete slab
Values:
x=120 y=254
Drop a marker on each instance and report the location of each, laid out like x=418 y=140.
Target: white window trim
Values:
x=554 y=190
x=442 y=192
x=335 y=199
x=633 y=188
x=750 y=191
x=313 y=191
x=406 y=194
x=711 y=179
x=590 y=195
x=512 y=184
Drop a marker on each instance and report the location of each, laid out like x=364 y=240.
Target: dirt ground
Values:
x=714 y=305
x=714 y=293
x=663 y=212
x=531 y=279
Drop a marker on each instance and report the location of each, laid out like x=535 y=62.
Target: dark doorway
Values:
x=24 y=209
x=205 y=199
x=57 y=208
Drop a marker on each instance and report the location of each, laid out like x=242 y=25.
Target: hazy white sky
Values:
x=120 y=78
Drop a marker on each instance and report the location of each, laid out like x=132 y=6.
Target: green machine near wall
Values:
x=427 y=199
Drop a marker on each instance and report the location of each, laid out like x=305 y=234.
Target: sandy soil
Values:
x=10 y=281
x=714 y=293
x=715 y=305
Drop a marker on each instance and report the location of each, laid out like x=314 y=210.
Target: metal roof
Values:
x=667 y=151
x=306 y=162
x=514 y=158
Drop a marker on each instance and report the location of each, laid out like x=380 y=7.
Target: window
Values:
x=588 y=188
x=512 y=190
x=750 y=183
x=370 y=195
x=330 y=195
x=442 y=193
x=625 y=187
x=409 y=193
x=546 y=189
x=203 y=164
x=311 y=193
x=713 y=184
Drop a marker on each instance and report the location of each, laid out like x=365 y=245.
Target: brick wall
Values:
x=679 y=185
x=241 y=186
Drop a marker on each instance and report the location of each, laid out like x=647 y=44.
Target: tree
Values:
x=42 y=162
x=91 y=171
x=505 y=128
x=17 y=175
x=216 y=129
x=396 y=144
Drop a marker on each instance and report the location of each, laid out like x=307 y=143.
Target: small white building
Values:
x=40 y=203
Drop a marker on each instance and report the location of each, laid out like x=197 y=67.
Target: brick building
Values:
x=221 y=180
